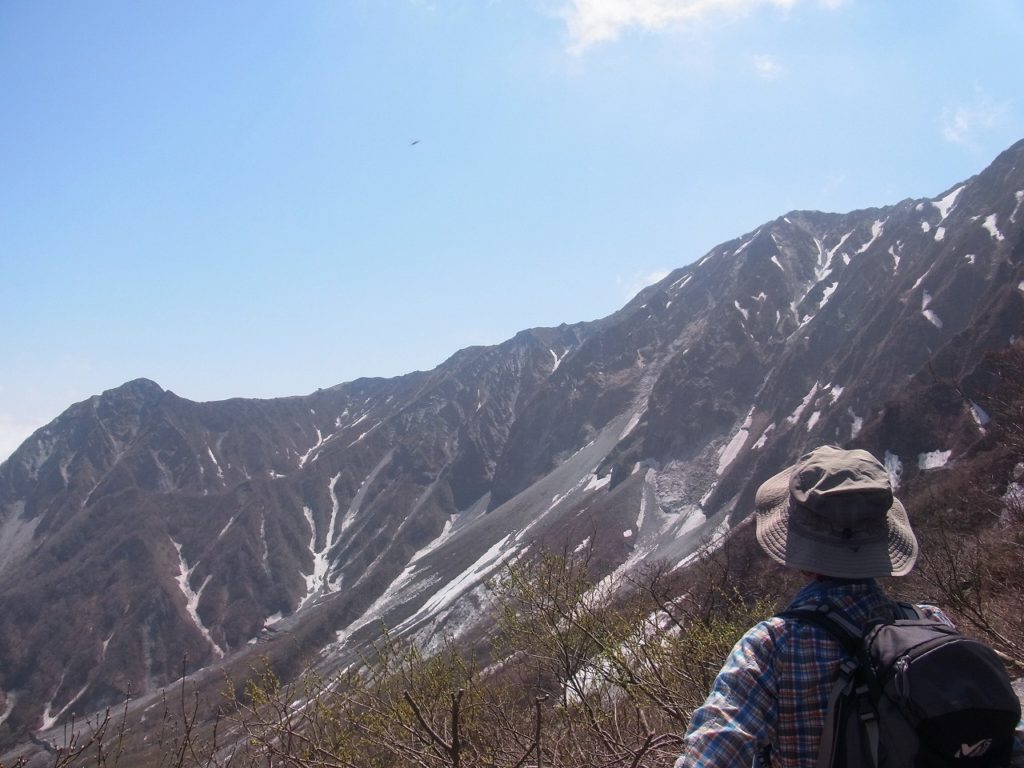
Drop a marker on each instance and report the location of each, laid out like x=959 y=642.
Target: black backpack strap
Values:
x=909 y=611
x=829 y=618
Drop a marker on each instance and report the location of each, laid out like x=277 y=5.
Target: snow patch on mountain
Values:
x=681 y=282
x=991 y=226
x=51 y=718
x=933 y=459
x=856 y=425
x=388 y=599
x=981 y=418
x=476 y=573
x=713 y=541
x=827 y=294
x=777 y=263
x=364 y=434
x=264 y=549
x=405 y=579
x=940 y=234
x=11 y=698
x=894 y=467
x=1019 y=195
x=216 y=464
x=895 y=257
x=763 y=438
x=746 y=243
x=946 y=204
x=732 y=449
x=837 y=246
x=631 y=425
x=318 y=581
x=824 y=262
x=921 y=279
x=934 y=319
x=192 y=597
x=320 y=440
x=707 y=495
x=335 y=503
x=642 y=513
x=227 y=525
x=794 y=417
x=877 y=228
x=557 y=359
x=315 y=578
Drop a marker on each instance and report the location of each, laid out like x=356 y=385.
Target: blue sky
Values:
x=224 y=197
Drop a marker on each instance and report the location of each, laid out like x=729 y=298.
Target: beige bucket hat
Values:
x=834 y=513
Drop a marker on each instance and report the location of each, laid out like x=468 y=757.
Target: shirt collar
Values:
x=822 y=589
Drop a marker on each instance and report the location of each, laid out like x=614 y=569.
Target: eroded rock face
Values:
x=138 y=528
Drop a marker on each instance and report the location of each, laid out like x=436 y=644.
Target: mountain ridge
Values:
x=155 y=527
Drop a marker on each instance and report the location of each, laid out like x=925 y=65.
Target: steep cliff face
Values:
x=138 y=528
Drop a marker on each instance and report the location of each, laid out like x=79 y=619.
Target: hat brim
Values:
x=895 y=556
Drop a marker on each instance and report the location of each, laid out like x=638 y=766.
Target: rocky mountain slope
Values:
x=139 y=529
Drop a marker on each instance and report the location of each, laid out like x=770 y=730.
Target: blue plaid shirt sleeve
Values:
x=740 y=712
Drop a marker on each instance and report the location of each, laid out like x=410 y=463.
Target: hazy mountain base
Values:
x=579 y=670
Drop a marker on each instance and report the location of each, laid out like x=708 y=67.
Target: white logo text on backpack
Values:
x=974 y=750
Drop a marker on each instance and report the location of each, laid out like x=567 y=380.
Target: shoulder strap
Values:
x=909 y=611
x=829 y=618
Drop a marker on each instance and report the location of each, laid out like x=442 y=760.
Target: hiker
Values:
x=833 y=517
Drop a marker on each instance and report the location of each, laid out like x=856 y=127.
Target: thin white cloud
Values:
x=636 y=282
x=966 y=123
x=768 y=67
x=595 y=21
x=834 y=181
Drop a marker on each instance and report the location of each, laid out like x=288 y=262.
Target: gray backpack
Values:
x=913 y=692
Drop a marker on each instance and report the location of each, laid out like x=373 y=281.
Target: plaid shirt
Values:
x=774 y=687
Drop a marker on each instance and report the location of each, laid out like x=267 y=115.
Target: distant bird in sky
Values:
x=413 y=142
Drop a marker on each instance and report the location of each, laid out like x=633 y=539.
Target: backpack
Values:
x=913 y=692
